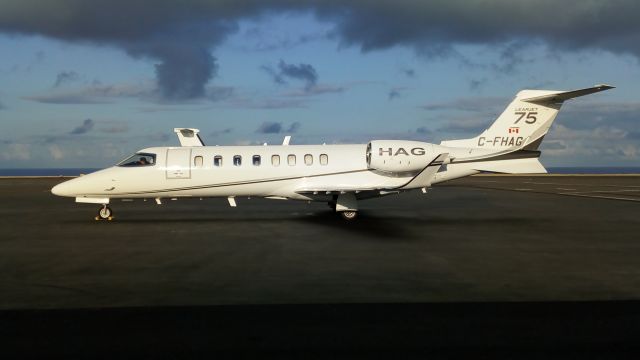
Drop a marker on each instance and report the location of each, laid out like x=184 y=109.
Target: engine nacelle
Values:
x=399 y=156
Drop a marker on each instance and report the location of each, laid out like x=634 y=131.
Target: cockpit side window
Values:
x=139 y=159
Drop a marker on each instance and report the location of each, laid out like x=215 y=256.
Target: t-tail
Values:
x=510 y=144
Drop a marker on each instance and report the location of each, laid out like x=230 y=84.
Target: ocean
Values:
x=78 y=171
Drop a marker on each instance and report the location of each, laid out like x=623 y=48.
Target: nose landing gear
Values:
x=105 y=213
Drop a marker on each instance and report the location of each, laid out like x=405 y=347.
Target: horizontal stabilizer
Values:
x=561 y=96
x=188 y=137
x=514 y=166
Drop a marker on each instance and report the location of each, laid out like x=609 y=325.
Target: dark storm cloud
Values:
x=268 y=127
x=65 y=77
x=86 y=126
x=302 y=72
x=181 y=35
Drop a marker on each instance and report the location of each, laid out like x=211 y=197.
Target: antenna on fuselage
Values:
x=286 y=140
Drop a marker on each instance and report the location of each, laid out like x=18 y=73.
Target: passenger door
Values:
x=178 y=163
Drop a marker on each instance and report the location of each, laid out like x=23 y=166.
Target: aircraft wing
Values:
x=188 y=137
x=420 y=180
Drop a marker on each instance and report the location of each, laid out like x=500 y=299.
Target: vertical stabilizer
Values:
x=525 y=121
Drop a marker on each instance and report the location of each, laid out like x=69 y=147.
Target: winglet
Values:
x=560 y=96
x=188 y=137
x=286 y=140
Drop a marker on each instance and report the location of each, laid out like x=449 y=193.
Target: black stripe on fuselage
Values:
x=248 y=182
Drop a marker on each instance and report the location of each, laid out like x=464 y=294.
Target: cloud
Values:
x=302 y=72
x=269 y=35
x=423 y=130
x=16 y=151
x=65 y=77
x=217 y=133
x=469 y=104
x=95 y=94
x=603 y=143
x=269 y=103
x=87 y=125
x=476 y=84
x=271 y=127
x=98 y=93
x=180 y=36
x=466 y=124
x=159 y=136
x=408 y=72
x=115 y=129
x=294 y=127
x=55 y=152
x=316 y=90
x=268 y=127
x=396 y=92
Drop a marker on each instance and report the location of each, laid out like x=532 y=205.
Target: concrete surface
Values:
x=462 y=242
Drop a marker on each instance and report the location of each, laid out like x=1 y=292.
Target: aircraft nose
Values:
x=63 y=189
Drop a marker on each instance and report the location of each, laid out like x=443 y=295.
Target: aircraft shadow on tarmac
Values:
x=387 y=226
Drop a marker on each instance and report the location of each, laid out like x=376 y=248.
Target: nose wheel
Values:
x=105 y=213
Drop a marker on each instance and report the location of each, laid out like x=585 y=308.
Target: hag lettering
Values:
x=402 y=151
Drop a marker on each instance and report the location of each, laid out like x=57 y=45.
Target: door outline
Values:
x=182 y=168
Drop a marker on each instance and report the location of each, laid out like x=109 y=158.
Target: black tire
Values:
x=349 y=215
x=105 y=213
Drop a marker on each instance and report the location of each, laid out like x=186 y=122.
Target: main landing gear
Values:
x=349 y=215
x=346 y=204
x=105 y=213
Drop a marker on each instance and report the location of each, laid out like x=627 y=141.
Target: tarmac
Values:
x=480 y=253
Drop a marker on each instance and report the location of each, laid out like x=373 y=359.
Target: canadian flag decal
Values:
x=514 y=130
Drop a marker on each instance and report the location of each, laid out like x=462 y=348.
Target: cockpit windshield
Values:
x=139 y=159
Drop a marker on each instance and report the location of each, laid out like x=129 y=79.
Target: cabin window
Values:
x=275 y=160
x=237 y=160
x=324 y=159
x=256 y=160
x=198 y=161
x=217 y=160
x=139 y=159
x=291 y=160
x=308 y=159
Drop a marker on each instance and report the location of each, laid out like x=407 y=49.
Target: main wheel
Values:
x=105 y=213
x=349 y=215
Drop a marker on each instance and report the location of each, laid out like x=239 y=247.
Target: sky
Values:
x=86 y=83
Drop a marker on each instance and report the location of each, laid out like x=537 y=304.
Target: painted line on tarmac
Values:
x=600 y=197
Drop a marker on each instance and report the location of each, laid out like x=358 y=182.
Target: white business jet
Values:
x=340 y=175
